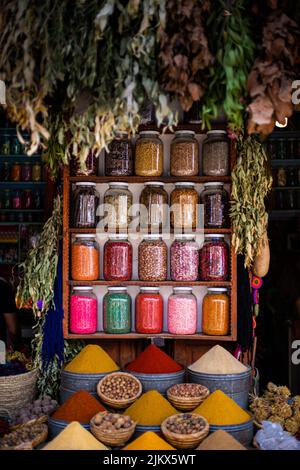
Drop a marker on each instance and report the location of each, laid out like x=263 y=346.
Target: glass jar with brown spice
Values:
x=184 y=156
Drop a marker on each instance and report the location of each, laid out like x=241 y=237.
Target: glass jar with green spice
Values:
x=117 y=311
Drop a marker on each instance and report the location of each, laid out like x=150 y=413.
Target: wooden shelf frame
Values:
x=68 y=283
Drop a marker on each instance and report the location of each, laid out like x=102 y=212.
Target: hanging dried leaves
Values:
x=250 y=185
x=184 y=55
x=270 y=80
x=232 y=44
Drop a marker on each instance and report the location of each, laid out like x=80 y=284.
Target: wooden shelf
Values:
x=144 y=179
x=206 y=230
x=198 y=336
x=151 y=283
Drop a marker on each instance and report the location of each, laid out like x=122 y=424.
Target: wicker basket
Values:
x=185 y=441
x=16 y=391
x=29 y=445
x=187 y=403
x=40 y=420
x=118 y=404
x=116 y=439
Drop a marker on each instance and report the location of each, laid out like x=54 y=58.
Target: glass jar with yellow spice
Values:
x=149 y=154
x=215 y=312
x=184 y=206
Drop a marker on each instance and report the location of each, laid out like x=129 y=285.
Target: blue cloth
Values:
x=53 y=338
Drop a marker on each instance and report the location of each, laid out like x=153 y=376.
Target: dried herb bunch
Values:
x=184 y=55
x=97 y=59
x=277 y=406
x=270 y=80
x=250 y=185
x=233 y=47
x=38 y=271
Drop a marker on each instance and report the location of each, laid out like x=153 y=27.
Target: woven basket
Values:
x=119 y=404
x=40 y=420
x=116 y=439
x=17 y=391
x=29 y=445
x=187 y=403
x=185 y=441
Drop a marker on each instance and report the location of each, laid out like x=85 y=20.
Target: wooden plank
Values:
x=66 y=248
x=144 y=179
x=106 y=336
x=149 y=283
x=226 y=231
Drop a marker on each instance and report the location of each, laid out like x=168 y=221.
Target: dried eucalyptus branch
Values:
x=250 y=186
x=38 y=271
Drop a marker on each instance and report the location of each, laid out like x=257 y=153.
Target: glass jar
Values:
x=6 y=171
x=17 y=200
x=26 y=171
x=281 y=149
x=85 y=205
x=119 y=159
x=214 y=259
x=272 y=149
x=184 y=154
x=290 y=199
x=37 y=199
x=215 y=312
x=149 y=307
x=15 y=146
x=184 y=206
x=27 y=199
x=117 y=254
x=292 y=177
x=182 y=312
x=153 y=259
x=184 y=258
x=83 y=311
x=281 y=177
x=118 y=202
x=149 y=154
x=6 y=199
x=215 y=154
x=117 y=311
x=36 y=172
x=215 y=201
x=85 y=257
x=5 y=145
x=15 y=174
x=154 y=210
x=91 y=165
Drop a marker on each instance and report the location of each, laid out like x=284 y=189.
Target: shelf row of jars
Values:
x=10 y=145
x=147 y=157
x=16 y=199
x=149 y=316
x=17 y=172
x=184 y=204
x=187 y=261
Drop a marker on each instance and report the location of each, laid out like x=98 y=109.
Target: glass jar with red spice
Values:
x=26 y=171
x=17 y=200
x=83 y=310
x=149 y=310
x=214 y=259
x=15 y=174
x=117 y=264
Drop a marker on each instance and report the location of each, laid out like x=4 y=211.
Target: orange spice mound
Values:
x=81 y=406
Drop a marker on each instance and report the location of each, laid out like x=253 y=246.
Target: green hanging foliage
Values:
x=234 y=49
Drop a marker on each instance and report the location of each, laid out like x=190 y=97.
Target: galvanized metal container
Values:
x=236 y=386
x=55 y=426
x=71 y=382
x=159 y=382
x=241 y=432
x=141 y=429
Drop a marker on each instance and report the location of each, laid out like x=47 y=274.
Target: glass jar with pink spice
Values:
x=83 y=310
x=184 y=258
x=182 y=312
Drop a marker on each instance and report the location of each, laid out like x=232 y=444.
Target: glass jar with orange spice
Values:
x=215 y=312
x=85 y=258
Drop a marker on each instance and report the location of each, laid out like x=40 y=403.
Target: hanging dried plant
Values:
x=250 y=185
x=270 y=80
x=184 y=55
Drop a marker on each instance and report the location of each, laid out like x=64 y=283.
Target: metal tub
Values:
x=55 y=426
x=236 y=386
x=241 y=432
x=159 y=382
x=71 y=382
